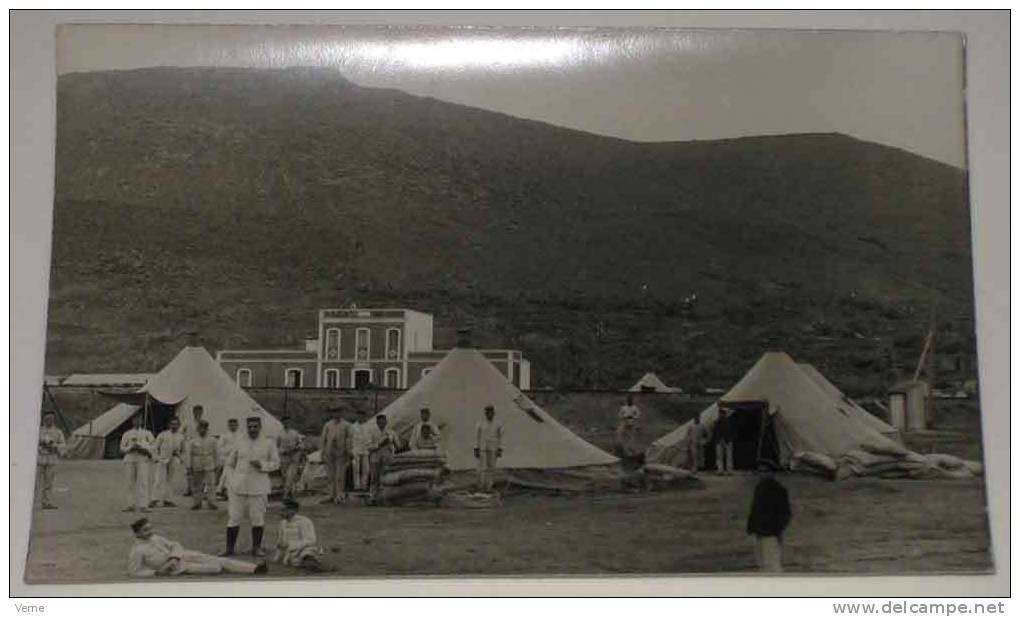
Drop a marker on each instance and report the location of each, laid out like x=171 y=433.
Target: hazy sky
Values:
x=900 y=89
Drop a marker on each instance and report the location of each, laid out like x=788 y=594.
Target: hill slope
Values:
x=236 y=202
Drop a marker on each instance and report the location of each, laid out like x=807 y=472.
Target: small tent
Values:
x=537 y=450
x=779 y=411
x=100 y=438
x=190 y=379
x=651 y=383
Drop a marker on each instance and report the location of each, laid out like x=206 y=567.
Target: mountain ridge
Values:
x=213 y=185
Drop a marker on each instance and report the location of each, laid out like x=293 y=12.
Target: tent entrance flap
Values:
x=755 y=442
x=157 y=416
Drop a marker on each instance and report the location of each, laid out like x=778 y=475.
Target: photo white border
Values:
x=32 y=106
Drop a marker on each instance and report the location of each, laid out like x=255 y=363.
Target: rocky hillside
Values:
x=237 y=202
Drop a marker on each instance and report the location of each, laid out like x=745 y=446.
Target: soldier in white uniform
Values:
x=225 y=447
x=334 y=448
x=382 y=444
x=296 y=544
x=289 y=445
x=488 y=447
x=248 y=494
x=627 y=429
x=200 y=458
x=51 y=447
x=154 y=555
x=433 y=441
x=136 y=445
x=360 y=438
x=167 y=452
x=190 y=431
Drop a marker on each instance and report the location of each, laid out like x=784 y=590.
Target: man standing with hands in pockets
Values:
x=488 y=447
x=248 y=497
x=334 y=448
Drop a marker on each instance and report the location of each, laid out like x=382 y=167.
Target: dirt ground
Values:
x=856 y=526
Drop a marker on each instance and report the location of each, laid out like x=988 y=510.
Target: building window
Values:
x=361 y=378
x=425 y=372
x=392 y=378
x=243 y=377
x=292 y=378
x=332 y=344
x=393 y=343
x=363 y=344
x=332 y=378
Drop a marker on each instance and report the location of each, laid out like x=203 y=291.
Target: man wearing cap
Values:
x=190 y=431
x=288 y=443
x=51 y=447
x=154 y=555
x=382 y=444
x=248 y=495
x=167 y=453
x=488 y=447
x=335 y=448
x=417 y=442
x=296 y=544
x=360 y=438
x=226 y=446
x=200 y=456
x=136 y=446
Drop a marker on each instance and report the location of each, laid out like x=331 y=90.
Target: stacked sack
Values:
x=468 y=500
x=814 y=463
x=656 y=477
x=954 y=467
x=412 y=476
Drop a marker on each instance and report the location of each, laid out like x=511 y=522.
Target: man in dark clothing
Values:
x=723 y=435
x=770 y=514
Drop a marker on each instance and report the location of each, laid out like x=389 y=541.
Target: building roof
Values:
x=106 y=379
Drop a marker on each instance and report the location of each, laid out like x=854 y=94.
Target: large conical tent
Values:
x=192 y=378
x=651 y=383
x=848 y=404
x=457 y=391
x=804 y=415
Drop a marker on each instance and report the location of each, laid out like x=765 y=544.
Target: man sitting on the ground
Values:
x=296 y=543
x=154 y=555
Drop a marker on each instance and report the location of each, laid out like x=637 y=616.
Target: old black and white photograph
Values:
x=362 y=301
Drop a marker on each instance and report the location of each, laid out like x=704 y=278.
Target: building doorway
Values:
x=292 y=378
x=362 y=378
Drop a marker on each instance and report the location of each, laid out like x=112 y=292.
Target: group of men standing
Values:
x=722 y=436
x=152 y=463
x=365 y=447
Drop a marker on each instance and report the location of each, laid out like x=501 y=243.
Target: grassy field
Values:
x=858 y=526
x=861 y=526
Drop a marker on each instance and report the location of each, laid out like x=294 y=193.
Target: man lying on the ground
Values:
x=296 y=544
x=154 y=555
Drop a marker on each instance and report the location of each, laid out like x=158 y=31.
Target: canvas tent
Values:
x=100 y=437
x=651 y=383
x=793 y=413
x=538 y=451
x=192 y=378
x=849 y=404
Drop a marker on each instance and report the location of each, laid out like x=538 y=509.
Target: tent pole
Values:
x=761 y=438
x=56 y=408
